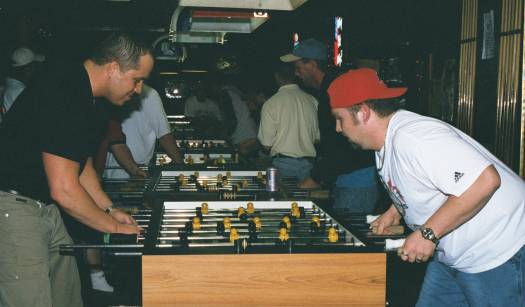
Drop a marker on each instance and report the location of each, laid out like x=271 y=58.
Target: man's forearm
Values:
x=79 y=204
x=168 y=144
x=125 y=158
x=89 y=181
x=66 y=190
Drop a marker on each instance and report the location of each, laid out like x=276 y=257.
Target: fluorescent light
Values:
x=193 y=70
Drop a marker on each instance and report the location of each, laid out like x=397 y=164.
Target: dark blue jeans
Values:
x=356 y=199
x=502 y=286
x=291 y=167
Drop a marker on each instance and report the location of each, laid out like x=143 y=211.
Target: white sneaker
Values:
x=99 y=282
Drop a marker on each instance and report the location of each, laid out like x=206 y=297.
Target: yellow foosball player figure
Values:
x=189 y=160
x=227 y=223
x=333 y=236
x=240 y=211
x=234 y=235
x=316 y=220
x=296 y=212
x=196 y=223
x=241 y=214
x=287 y=222
x=257 y=222
x=250 y=208
x=315 y=224
x=283 y=234
x=204 y=208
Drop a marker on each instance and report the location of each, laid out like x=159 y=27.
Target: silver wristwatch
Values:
x=109 y=209
x=429 y=234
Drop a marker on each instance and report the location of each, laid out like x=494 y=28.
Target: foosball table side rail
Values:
x=345 y=279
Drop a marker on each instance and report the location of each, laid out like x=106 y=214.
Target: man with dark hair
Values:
x=50 y=162
x=289 y=127
x=467 y=208
x=346 y=170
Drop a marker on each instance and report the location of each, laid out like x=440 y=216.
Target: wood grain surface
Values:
x=347 y=279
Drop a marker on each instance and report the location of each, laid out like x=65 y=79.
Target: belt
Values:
x=10 y=191
x=24 y=198
x=300 y=158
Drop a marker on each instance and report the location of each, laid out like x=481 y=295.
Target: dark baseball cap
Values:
x=307 y=49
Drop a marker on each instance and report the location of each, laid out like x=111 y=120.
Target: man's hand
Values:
x=308 y=183
x=127 y=224
x=178 y=159
x=140 y=173
x=128 y=229
x=416 y=248
x=122 y=217
x=387 y=219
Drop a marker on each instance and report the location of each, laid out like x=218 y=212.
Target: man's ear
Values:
x=365 y=113
x=112 y=68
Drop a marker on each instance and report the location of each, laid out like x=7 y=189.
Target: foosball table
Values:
x=260 y=253
x=224 y=185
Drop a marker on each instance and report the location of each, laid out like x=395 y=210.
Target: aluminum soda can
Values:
x=272 y=178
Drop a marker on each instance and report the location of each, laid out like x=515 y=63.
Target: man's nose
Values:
x=337 y=126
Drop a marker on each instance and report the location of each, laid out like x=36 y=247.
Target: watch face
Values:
x=429 y=234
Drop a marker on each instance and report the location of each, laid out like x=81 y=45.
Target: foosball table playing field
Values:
x=225 y=185
x=260 y=253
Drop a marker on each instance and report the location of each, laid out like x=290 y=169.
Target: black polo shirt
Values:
x=57 y=115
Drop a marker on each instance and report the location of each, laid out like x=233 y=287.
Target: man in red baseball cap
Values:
x=467 y=208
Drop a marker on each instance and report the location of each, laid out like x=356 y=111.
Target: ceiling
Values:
x=372 y=28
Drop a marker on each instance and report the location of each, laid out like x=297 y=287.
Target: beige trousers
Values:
x=32 y=272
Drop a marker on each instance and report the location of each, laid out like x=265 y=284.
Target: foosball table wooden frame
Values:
x=340 y=275
x=332 y=279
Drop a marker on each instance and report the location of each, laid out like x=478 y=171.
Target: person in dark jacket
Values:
x=340 y=166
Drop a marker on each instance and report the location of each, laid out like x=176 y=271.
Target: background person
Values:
x=146 y=124
x=348 y=172
x=289 y=127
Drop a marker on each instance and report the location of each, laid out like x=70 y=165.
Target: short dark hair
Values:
x=382 y=107
x=285 y=71
x=123 y=48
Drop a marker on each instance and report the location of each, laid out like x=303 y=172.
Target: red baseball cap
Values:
x=359 y=85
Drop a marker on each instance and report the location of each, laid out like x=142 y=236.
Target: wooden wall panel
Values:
x=522 y=117
x=467 y=66
x=508 y=124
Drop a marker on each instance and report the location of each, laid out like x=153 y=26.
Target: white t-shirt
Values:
x=289 y=123
x=142 y=129
x=207 y=108
x=13 y=88
x=424 y=160
x=245 y=129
